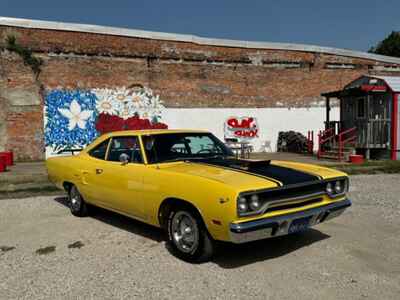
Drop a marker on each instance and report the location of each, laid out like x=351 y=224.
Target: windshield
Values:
x=183 y=146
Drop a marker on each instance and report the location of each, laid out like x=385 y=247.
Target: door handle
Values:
x=99 y=171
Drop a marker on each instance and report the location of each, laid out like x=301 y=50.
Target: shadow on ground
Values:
x=121 y=222
x=231 y=256
x=228 y=255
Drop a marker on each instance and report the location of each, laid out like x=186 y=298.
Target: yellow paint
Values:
x=137 y=190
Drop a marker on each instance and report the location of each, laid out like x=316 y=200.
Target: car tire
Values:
x=188 y=238
x=77 y=204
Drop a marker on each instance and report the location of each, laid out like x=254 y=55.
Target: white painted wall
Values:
x=270 y=120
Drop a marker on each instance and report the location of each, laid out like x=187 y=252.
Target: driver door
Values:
x=120 y=180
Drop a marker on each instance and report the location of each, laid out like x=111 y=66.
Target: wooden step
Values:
x=345 y=149
x=335 y=155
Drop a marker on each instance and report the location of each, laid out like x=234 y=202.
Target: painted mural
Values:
x=74 y=118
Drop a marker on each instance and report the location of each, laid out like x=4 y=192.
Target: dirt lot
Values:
x=47 y=253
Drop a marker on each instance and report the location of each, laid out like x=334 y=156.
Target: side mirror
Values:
x=124 y=158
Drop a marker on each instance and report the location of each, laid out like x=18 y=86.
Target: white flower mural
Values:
x=106 y=103
x=74 y=118
x=121 y=94
x=107 y=106
x=75 y=115
x=126 y=103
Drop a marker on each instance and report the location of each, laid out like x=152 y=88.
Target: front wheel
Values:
x=77 y=205
x=188 y=237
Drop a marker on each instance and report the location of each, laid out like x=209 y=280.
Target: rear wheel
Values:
x=188 y=237
x=77 y=205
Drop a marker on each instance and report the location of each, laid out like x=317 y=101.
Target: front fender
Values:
x=215 y=201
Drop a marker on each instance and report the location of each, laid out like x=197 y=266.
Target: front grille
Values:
x=290 y=196
x=293 y=191
x=291 y=204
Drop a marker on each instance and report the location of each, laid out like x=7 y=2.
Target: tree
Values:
x=389 y=46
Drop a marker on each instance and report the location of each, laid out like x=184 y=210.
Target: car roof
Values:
x=152 y=131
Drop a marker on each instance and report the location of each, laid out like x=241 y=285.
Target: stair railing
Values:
x=324 y=136
x=348 y=136
x=310 y=141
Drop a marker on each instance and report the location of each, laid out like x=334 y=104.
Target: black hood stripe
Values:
x=264 y=169
x=307 y=172
x=239 y=170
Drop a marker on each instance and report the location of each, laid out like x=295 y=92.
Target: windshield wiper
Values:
x=218 y=156
x=177 y=159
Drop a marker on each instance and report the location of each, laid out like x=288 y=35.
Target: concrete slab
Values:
x=304 y=158
x=24 y=176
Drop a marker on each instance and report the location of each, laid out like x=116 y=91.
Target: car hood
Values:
x=252 y=174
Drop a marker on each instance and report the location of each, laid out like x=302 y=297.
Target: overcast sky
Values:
x=352 y=24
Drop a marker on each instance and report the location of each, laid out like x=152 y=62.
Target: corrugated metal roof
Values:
x=392 y=81
x=27 y=23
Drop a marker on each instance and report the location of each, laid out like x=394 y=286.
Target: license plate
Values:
x=299 y=225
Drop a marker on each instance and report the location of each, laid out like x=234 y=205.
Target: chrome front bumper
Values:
x=279 y=225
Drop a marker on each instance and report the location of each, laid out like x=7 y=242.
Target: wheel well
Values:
x=67 y=186
x=171 y=203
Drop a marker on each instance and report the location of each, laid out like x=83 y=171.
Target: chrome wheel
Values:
x=185 y=232
x=76 y=199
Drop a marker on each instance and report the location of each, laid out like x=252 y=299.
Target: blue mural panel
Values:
x=69 y=119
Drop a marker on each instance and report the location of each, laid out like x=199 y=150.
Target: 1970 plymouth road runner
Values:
x=190 y=184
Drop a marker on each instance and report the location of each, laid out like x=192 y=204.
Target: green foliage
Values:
x=26 y=54
x=370 y=167
x=389 y=46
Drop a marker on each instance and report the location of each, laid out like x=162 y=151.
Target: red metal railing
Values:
x=348 y=136
x=310 y=141
x=324 y=136
x=328 y=137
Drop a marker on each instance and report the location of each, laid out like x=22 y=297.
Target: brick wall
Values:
x=183 y=73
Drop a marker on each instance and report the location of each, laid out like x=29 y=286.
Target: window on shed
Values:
x=360 y=108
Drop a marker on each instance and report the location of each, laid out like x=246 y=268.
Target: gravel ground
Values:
x=46 y=253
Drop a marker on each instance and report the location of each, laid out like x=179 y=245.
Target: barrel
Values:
x=356 y=159
x=2 y=163
x=9 y=157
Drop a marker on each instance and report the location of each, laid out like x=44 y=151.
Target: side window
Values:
x=100 y=150
x=180 y=147
x=360 y=108
x=126 y=145
x=201 y=144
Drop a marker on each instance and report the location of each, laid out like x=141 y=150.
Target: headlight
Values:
x=254 y=202
x=337 y=187
x=329 y=188
x=249 y=205
x=242 y=205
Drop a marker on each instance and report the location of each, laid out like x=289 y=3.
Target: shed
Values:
x=369 y=118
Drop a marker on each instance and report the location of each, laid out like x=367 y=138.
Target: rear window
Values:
x=100 y=150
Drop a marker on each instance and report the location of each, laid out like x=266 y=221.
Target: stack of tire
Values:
x=291 y=141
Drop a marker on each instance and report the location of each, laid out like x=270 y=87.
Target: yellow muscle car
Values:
x=190 y=184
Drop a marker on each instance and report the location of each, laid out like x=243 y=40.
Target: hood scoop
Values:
x=247 y=164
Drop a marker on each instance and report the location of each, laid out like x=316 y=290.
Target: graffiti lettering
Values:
x=246 y=133
x=241 y=128
x=243 y=123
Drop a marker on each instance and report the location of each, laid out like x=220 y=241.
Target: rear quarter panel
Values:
x=63 y=169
